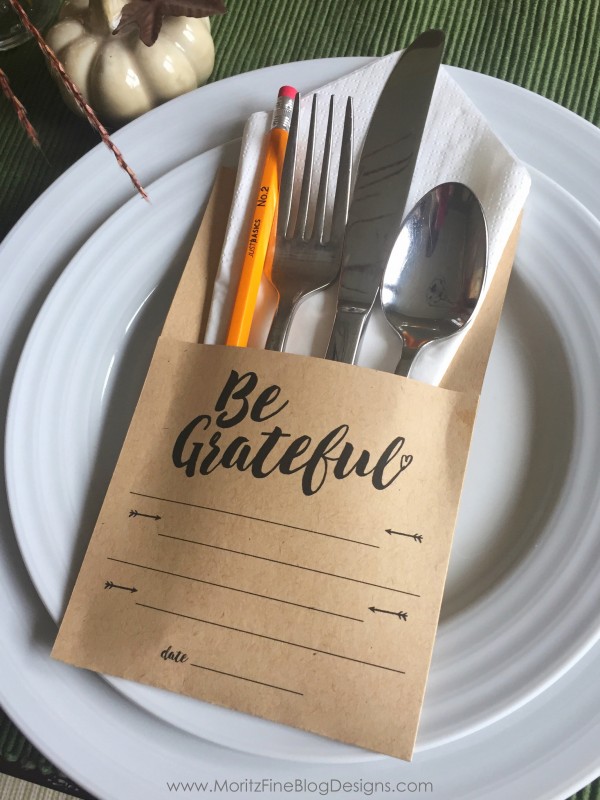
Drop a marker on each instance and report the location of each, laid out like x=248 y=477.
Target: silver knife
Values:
x=385 y=172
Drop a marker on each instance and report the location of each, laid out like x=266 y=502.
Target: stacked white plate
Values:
x=513 y=705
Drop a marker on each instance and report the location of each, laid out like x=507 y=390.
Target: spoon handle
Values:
x=406 y=360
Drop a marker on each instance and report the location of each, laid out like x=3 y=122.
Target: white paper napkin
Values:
x=457 y=145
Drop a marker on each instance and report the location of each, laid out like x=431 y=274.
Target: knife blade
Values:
x=381 y=189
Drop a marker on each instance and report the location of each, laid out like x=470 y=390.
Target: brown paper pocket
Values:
x=276 y=534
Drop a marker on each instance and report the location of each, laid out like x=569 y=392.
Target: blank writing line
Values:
x=287 y=564
x=250 y=680
x=271 y=638
x=233 y=589
x=256 y=519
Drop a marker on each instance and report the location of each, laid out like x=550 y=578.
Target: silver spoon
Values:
x=436 y=271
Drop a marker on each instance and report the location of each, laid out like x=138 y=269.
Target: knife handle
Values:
x=346 y=335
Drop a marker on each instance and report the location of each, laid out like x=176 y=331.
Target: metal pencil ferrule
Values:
x=282 y=114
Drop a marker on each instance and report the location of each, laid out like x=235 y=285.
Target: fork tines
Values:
x=304 y=263
x=342 y=191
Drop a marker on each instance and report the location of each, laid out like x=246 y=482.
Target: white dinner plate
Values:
x=81 y=723
x=533 y=457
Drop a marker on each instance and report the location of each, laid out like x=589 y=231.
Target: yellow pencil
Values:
x=263 y=221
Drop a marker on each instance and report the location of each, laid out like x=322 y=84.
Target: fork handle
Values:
x=347 y=332
x=280 y=327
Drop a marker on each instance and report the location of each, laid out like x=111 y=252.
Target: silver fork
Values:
x=305 y=262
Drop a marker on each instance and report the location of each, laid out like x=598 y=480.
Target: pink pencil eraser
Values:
x=287 y=91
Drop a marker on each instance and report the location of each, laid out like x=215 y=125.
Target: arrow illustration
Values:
x=400 y=614
x=133 y=513
x=418 y=537
x=111 y=585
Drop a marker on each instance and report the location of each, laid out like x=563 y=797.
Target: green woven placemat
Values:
x=550 y=47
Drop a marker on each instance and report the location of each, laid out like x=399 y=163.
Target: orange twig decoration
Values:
x=19 y=108
x=90 y=115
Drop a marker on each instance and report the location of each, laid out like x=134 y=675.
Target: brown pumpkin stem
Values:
x=19 y=108
x=88 y=111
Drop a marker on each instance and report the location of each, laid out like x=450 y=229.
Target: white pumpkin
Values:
x=119 y=76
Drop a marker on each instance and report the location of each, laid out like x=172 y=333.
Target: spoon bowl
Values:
x=436 y=271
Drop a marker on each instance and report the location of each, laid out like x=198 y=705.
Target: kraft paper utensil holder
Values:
x=276 y=533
